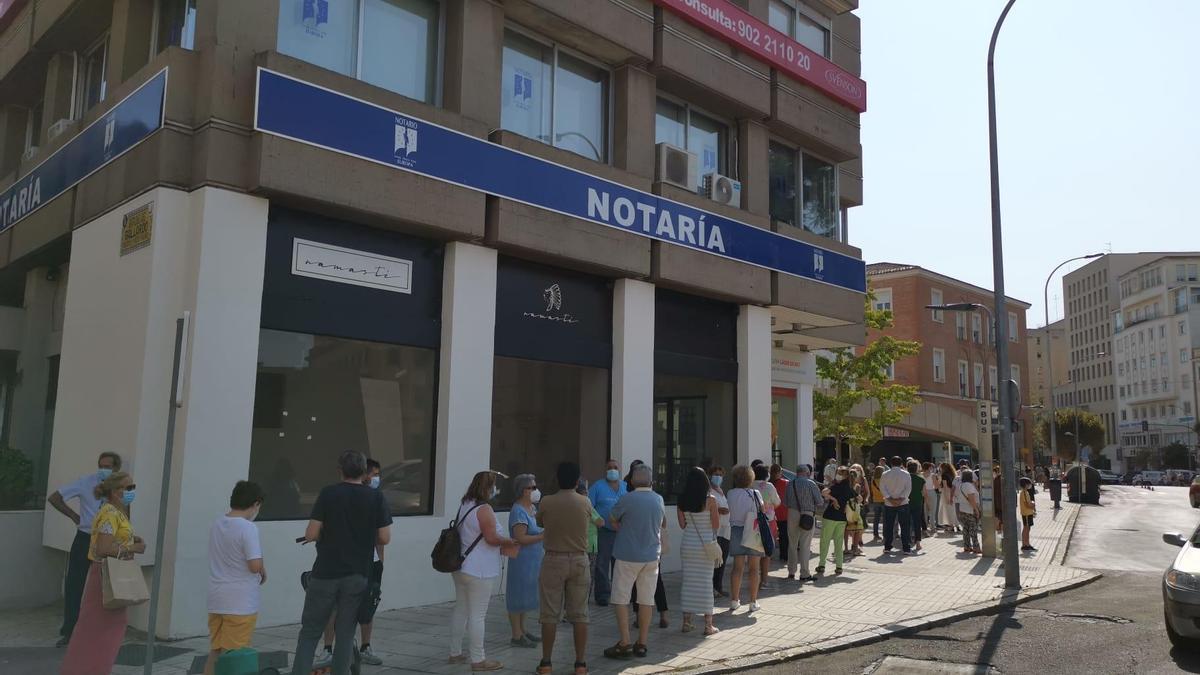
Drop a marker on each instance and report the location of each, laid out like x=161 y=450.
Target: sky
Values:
x=1098 y=106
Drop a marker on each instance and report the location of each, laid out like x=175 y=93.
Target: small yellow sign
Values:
x=137 y=228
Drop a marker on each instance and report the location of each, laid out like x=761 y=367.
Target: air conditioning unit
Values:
x=29 y=154
x=58 y=128
x=723 y=189
x=676 y=166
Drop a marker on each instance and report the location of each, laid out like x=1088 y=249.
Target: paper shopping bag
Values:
x=123 y=583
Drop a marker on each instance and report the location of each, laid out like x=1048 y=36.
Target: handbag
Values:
x=806 y=519
x=764 y=528
x=751 y=538
x=123 y=584
x=711 y=548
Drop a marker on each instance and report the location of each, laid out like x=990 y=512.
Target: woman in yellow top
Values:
x=98 y=635
x=1028 y=511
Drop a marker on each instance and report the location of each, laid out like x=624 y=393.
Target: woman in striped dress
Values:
x=699 y=519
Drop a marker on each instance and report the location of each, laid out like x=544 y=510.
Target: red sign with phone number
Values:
x=734 y=25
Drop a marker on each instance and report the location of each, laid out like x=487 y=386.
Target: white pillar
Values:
x=464 y=420
x=804 y=398
x=754 y=384
x=633 y=372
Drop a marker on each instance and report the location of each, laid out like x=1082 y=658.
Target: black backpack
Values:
x=447 y=553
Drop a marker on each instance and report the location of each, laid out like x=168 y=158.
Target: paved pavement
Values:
x=876 y=596
x=1111 y=626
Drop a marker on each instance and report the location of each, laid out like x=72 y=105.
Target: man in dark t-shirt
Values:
x=348 y=520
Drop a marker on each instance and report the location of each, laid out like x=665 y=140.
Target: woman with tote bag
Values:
x=745 y=542
x=98 y=635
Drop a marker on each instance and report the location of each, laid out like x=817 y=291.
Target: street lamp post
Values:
x=1050 y=345
x=1012 y=565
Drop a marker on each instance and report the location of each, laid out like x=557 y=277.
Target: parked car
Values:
x=1149 y=478
x=1108 y=477
x=1181 y=592
x=1194 y=493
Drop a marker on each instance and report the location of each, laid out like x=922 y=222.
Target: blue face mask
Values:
x=103 y=474
x=375 y=482
x=128 y=497
x=716 y=481
x=612 y=474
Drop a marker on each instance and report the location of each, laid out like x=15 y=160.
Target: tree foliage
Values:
x=854 y=376
x=1091 y=432
x=1176 y=456
x=16 y=479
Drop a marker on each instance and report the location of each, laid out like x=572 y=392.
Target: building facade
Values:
x=1155 y=347
x=957 y=364
x=1047 y=350
x=562 y=230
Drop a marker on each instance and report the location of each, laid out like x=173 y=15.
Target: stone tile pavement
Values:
x=877 y=595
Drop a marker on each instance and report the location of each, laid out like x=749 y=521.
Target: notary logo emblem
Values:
x=405 y=142
x=110 y=133
x=818 y=261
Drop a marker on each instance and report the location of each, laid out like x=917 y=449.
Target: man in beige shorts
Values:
x=566 y=574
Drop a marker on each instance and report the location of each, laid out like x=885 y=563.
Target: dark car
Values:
x=1109 y=478
x=1083 y=479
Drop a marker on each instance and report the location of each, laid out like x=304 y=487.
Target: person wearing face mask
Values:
x=604 y=495
x=235 y=571
x=521 y=594
x=99 y=631
x=83 y=489
x=716 y=478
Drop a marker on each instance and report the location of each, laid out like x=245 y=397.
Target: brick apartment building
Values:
x=956 y=366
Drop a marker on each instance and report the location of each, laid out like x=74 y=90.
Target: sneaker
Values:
x=754 y=607
x=368 y=656
x=734 y=605
x=323 y=660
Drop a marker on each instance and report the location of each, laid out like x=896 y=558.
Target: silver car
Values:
x=1181 y=592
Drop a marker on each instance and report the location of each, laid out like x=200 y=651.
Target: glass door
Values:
x=784 y=442
x=678 y=441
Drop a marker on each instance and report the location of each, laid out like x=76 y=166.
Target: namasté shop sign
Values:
x=310 y=114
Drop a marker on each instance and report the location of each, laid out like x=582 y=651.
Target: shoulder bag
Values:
x=711 y=548
x=447 y=553
x=806 y=519
x=764 y=527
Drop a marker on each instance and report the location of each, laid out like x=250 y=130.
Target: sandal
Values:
x=581 y=668
x=687 y=626
x=639 y=650
x=544 y=667
x=619 y=651
x=711 y=630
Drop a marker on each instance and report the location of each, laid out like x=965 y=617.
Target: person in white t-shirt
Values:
x=235 y=571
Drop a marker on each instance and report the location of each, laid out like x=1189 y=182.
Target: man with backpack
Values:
x=348 y=519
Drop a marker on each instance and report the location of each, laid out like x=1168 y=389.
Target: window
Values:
x=960 y=325
x=1015 y=374
x=1187 y=408
x=92 y=67
x=1012 y=327
x=976 y=329
x=814 y=206
x=889 y=373
x=388 y=43
x=993 y=384
x=1123 y=415
x=799 y=24
x=883 y=299
x=964 y=386
x=554 y=96
x=1183 y=356
x=33 y=126
x=175 y=24
x=1183 y=328
x=978 y=380
x=939 y=365
x=935 y=298
x=317 y=396
x=682 y=126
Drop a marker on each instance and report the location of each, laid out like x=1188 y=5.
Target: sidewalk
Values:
x=876 y=596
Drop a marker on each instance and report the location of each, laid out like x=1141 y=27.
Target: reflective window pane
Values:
x=779 y=16
x=399 y=46
x=525 y=91
x=693 y=426
x=783 y=184
x=322 y=33
x=670 y=123
x=706 y=138
x=317 y=396
x=544 y=413
x=820 y=197
x=580 y=113
x=176 y=24
x=812 y=35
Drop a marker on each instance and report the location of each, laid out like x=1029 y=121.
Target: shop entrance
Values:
x=785 y=449
x=678 y=439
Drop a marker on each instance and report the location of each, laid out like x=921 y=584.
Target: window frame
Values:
x=33 y=140
x=890 y=300
x=798 y=203
x=964 y=378
x=79 y=106
x=823 y=22
x=936 y=377
x=156 y=23
x=937 y=297
x=557 y=48
x=1014 y=326
x=728 y=147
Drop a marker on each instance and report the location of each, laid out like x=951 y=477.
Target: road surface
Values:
x=1113 y=625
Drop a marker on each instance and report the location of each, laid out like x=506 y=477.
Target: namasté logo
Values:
x=553 y=298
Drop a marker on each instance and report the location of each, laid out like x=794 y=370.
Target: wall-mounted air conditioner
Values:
x=676 y=166
x=723 y=189
x=58 y=128
x=29 y=153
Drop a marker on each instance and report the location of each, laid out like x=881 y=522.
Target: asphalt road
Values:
x=1113 y=625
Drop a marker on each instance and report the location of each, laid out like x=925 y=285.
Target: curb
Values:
x=1064 y=540
x=894 y=630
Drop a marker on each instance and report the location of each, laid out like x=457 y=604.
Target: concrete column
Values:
x=474 y=42
x=804 y=399
x=57 y=103
x=129 y=39
x=754 y=384
x=13 y=119
x=634 y=92
x=754 y=166
x=464 y=419
x=633 y=372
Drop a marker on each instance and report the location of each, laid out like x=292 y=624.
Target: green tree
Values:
x=1176 y=456
x=859 y=376
x=16 y=479
x=1144 y=459
x=1091 y=432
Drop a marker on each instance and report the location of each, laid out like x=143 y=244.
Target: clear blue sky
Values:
x=1099 y=119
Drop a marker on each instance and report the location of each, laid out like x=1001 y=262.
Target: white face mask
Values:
x=535 y=496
